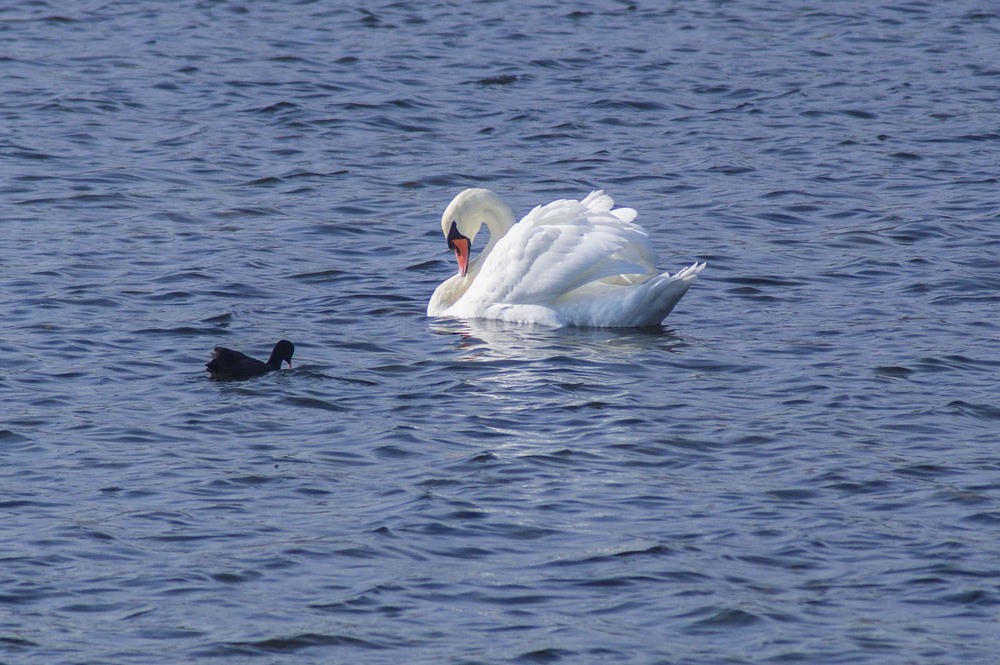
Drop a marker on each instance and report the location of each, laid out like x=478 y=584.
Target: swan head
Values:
x=465 y=216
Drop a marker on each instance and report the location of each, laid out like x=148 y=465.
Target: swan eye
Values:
x=454 y=235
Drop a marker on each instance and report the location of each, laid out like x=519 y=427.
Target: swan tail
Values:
x=688 y=274
x=665 y=291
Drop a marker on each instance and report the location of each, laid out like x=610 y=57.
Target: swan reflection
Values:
x=487 y=340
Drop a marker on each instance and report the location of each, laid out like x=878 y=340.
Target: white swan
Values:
x=568 y=263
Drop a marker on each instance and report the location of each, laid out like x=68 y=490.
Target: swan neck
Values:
x=498 y=218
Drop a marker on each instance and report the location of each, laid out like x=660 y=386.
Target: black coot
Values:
x=229 y=365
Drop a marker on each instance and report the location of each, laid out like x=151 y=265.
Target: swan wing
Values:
x=562 y=246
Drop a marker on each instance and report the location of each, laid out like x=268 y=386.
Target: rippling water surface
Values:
x=801 y=467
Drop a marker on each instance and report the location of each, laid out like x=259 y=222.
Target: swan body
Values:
x=567 y=263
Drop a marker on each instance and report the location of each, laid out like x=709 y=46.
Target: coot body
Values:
x=229 y=365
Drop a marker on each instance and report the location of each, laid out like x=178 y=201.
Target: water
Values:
x=800 y=467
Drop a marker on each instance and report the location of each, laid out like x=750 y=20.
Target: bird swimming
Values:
x=566 y=263
x=229 y=365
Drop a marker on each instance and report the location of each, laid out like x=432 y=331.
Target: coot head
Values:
x=282 y=352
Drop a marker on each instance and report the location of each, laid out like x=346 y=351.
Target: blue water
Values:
x=802 y=466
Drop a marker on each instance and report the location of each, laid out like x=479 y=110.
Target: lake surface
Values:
x=801 y=466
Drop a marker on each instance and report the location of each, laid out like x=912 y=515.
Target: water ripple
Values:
x=800 y=468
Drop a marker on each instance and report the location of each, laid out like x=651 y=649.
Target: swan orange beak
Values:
x=461 y=247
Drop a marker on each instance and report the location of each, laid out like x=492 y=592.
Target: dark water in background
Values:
x=802 y=467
